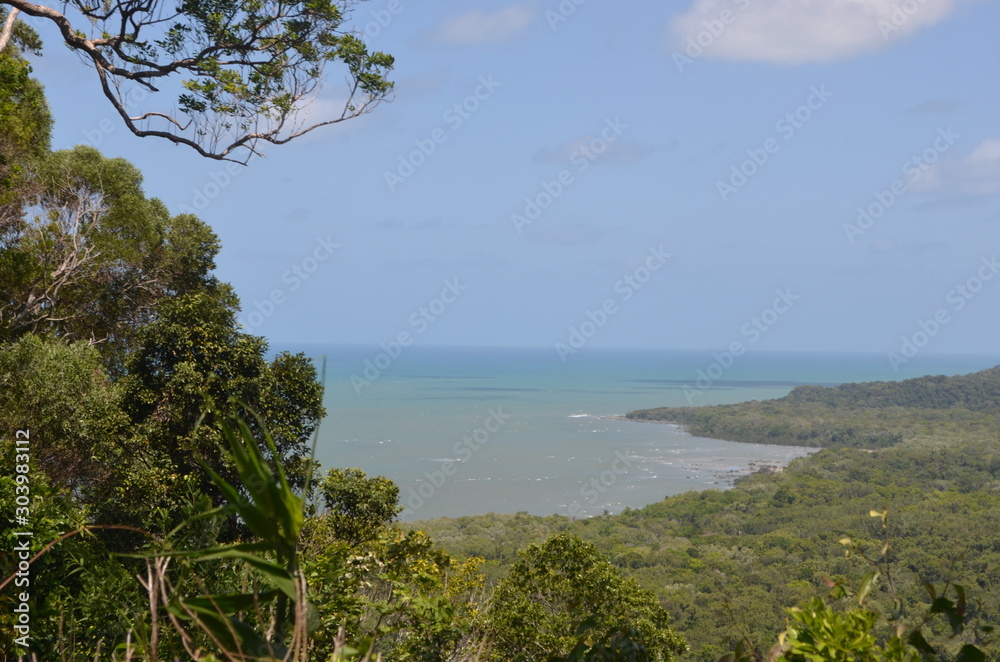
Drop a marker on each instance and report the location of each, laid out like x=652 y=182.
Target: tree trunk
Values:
x=8 y=28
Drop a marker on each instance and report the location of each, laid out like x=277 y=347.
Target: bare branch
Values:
x=170 y=119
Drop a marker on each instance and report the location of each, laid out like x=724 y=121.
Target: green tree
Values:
x=193 y=350
x=93 y=255
x=563 y=599
x=358 y=506
x=60 y=392
x=235 y=74
x=26 y=122
x=395 y=591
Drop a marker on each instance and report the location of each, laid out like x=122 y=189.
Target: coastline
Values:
x=648 y=466
x=681 y=426
x=721 y=473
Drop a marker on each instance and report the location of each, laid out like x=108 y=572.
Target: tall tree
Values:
x=234 y=74
x=60 y=392
x=194 y=350
x=26 y=122
x=564 y=600
x=88 y=260
x=92 y=255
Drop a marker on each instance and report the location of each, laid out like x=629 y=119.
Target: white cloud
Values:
x=799 y=31
x=482 y=27
x=977 y=173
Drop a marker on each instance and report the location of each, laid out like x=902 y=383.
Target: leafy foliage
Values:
x=358 y=506
x=26 y=121
x=562 y=593
x=193 y=350
x=818 y=632
x=393 y=592
x=239 y=73
x=72 y=417
x=274 y=515
x=871 y=415
x=93 y=256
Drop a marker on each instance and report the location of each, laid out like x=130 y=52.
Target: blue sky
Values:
x=540 y=158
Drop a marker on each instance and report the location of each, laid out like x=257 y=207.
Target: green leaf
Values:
x=588 y=624
x=867 y=583
x=970 y=653
x=258 y=522
x=916 y=639
x=232 y=633
x=942 y=605
x=232 y=603
x=277 y=574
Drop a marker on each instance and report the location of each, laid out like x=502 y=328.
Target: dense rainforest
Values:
x=867 y=416
x=160 y=502
x=727 y=564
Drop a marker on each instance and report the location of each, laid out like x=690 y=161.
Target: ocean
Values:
x=466 y=431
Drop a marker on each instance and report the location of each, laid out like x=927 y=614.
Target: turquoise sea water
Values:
x=467 y=431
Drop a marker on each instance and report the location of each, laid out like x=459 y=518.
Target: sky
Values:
x=809 y=175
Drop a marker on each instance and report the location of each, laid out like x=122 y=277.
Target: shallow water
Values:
x=467 y=431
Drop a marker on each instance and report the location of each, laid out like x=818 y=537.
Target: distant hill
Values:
x=867 y=415
x=979 y=391
x=727 y=564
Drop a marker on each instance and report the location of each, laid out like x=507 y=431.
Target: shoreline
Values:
x=646 y=420
x=727 y=474
x=683 y=428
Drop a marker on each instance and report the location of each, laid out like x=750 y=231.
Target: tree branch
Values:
x=243 y=73
x=8 y=28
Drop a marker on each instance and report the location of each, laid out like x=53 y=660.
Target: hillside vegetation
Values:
x=870 y=415
x=728 y=564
